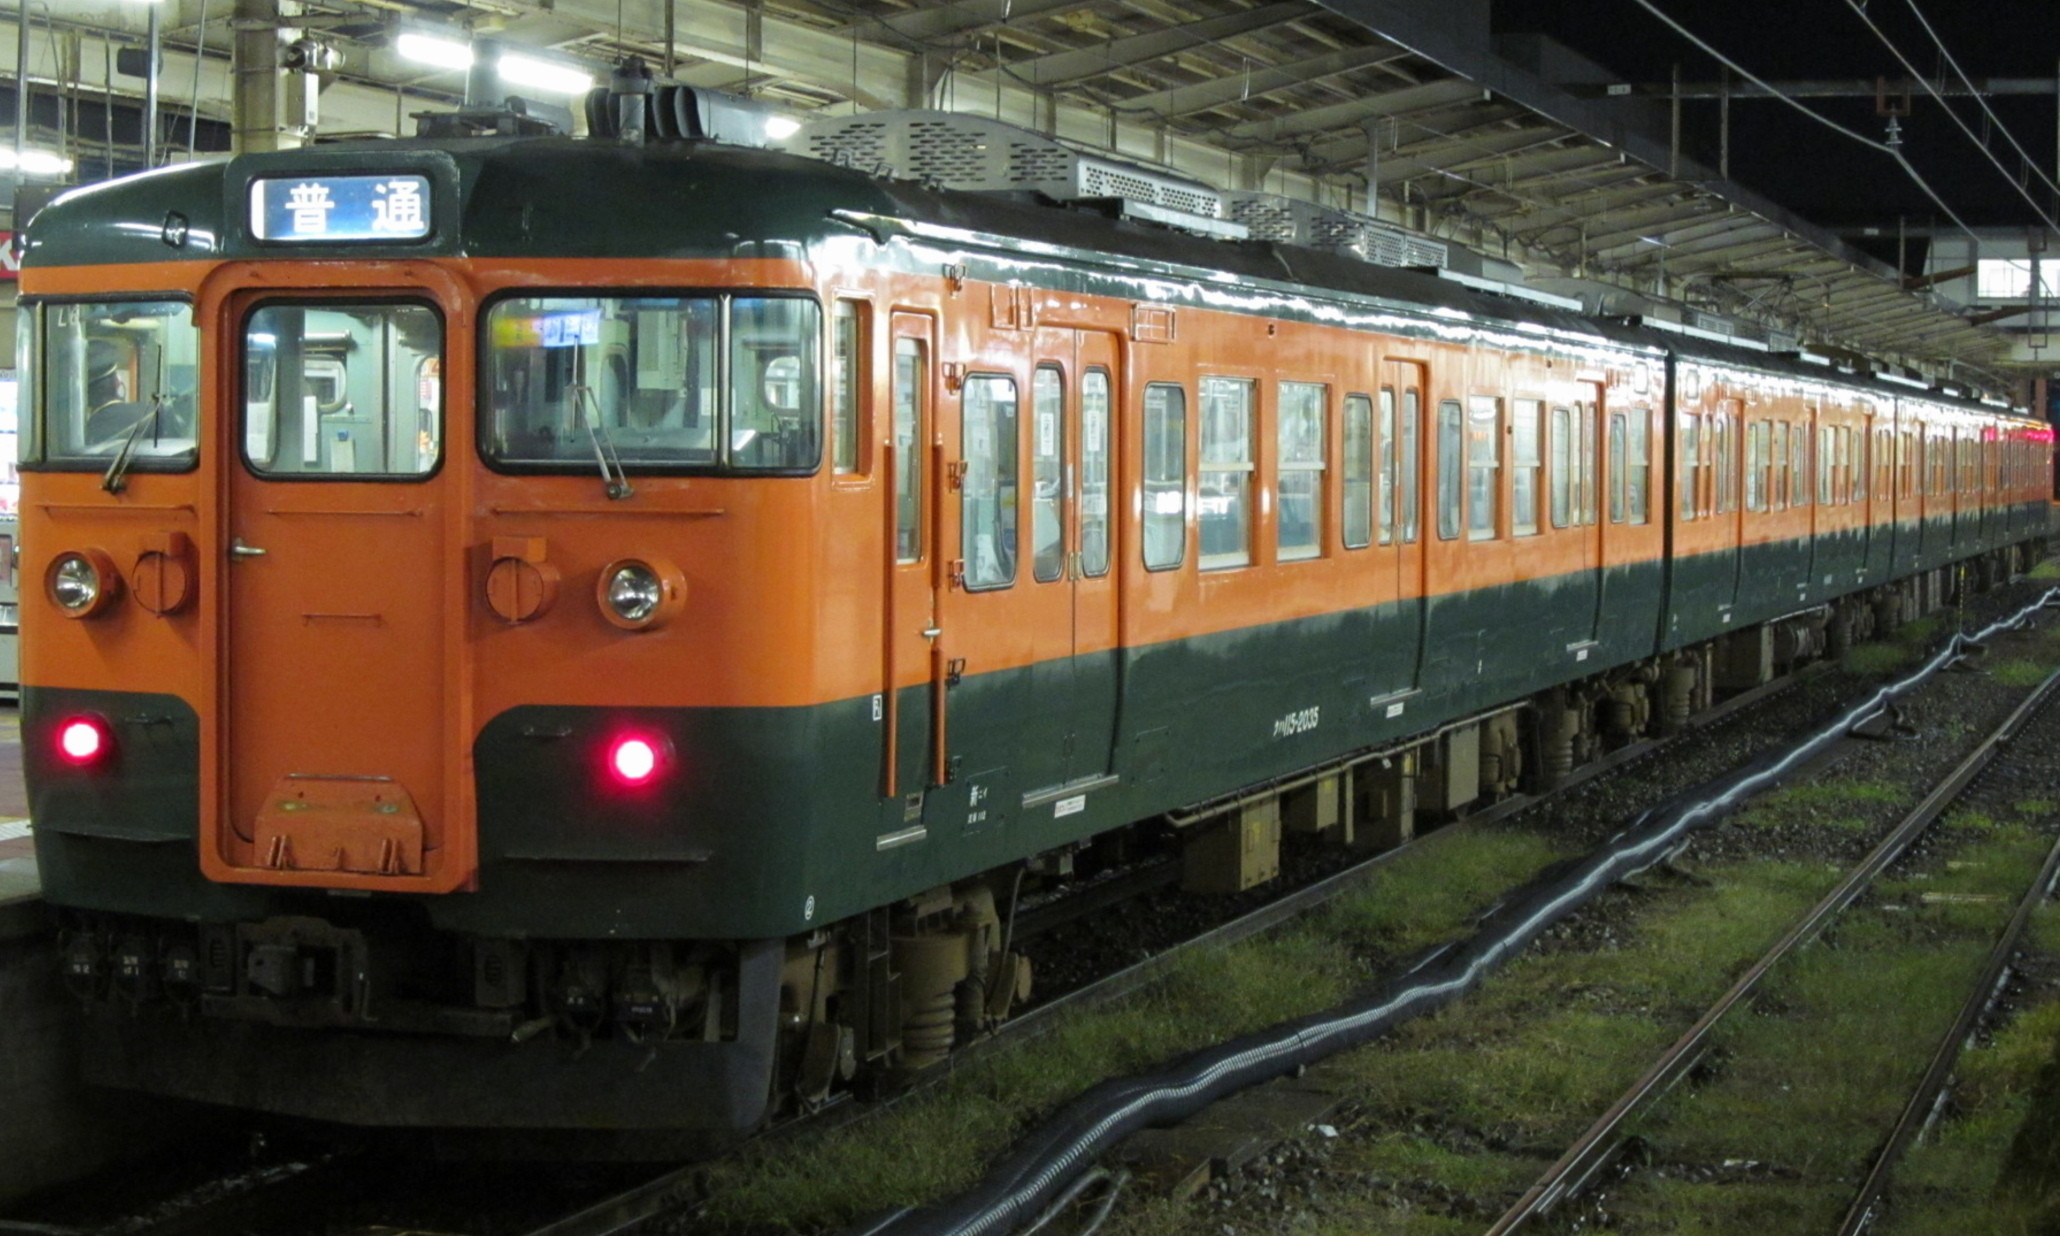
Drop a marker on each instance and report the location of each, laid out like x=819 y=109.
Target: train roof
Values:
x=555 y=197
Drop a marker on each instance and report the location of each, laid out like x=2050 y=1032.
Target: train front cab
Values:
x=265 y=577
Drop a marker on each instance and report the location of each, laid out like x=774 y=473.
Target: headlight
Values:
x=639 y=594
x=634 y=592
x=82 y=582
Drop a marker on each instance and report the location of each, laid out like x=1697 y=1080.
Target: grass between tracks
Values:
x=939 y=1141
x=1898 y=652
x=1810 y=1082
x=1456 y=1114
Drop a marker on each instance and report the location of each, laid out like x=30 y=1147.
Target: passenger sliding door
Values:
x=1403 y=442
x=1068 y=600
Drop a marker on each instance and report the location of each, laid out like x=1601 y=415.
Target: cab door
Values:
x=913 y=571
x=339 y=755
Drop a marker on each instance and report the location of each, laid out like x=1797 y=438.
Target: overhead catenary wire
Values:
x=1773 y=91
x=1860 y=10
x=1979 y=100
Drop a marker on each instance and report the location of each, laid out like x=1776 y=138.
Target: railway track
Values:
x=1603 y=1143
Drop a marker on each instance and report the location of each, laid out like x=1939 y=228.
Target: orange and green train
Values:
x=531 y=632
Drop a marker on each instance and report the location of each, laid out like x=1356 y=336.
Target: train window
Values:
x=1358 y=496
x=1165 y=476
x=1094 y=472
x=1778 y=473
x=1799 y=465
x=1225 y=487
x=343 y=390
x=1302 y=418
x=775 y=413
x=1451 y=437
x=665 y=383
x=1047 y=474
x=1483 y=465
x=1638 y=464
x=1524 y=461
x=1827 y=458
x=1727 y=456
x=847 y=343
x=911 y=382
x=987 y=506
x=115 y=378
x=1584 y=459
x=1407 y=466
x=1755 y=465
x=567 y=376
x=1390 y=454
x=1691 y=463
x=1618 y=431
x=1559 y=442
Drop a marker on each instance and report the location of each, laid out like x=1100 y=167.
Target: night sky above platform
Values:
x=1814 y=171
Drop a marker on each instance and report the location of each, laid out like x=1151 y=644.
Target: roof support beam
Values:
x=1062 y=68
x=1203 y=95
x=932 y=22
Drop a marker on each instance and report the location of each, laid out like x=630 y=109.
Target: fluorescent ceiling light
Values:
x=430 y=49
x=780 y=128
x=35 y=162
x=543 y=74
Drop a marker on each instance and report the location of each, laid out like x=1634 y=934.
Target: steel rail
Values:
x=1600 y=1143
x=1924 y=1100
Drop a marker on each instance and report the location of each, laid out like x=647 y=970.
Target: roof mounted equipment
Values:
x=958 y=151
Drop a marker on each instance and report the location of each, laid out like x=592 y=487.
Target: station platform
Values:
x=18 y=881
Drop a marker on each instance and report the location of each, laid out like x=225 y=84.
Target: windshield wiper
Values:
x=117 y=477
x=612 y=474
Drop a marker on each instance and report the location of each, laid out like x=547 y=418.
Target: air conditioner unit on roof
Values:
x=975 y=153
x=1291 y=221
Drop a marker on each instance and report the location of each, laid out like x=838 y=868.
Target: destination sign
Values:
x=330 y=209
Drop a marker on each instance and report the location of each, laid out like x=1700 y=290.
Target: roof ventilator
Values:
x=973 y=153
x=636 y=107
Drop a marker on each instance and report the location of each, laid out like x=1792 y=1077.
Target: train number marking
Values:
x=1300 y=722
x=1395 y=709
x=1069 y=806
x=975 y=813
x=879 y=708
x=808 y=909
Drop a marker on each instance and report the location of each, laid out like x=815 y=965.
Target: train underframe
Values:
x=711 y=1039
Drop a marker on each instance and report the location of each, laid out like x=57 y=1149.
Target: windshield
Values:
x=687 y=383
x=112 y=373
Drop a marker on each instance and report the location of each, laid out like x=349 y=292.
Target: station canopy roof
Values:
x=1511 y=147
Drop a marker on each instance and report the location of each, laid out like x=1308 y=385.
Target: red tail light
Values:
x=635 y=759
x=84 y=740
